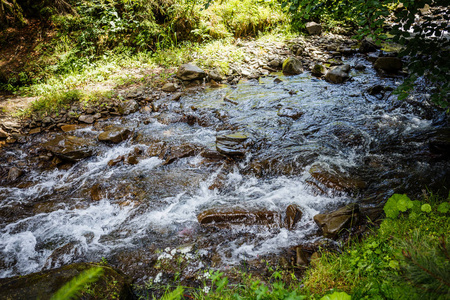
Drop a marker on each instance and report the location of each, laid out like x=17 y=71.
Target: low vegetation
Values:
x=406 y=257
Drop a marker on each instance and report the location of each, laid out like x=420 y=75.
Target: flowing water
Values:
x=360 y=147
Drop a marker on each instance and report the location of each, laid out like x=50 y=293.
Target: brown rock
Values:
x=301 y=256
x=169 y=87
x=333 y=223
x=14 y=173
x=177 y=152
x=88 y=119
x=132 y=160
x=156 y=149
x=115 y=161
x=293 y=215
x=292 y=66
x=98 y=192
x=114 y=134
x=70 y=148
x=227 y=216
x=3 y=134
x=334 y=180
x=35 y=130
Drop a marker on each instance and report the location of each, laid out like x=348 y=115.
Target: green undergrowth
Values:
x=109 y=41
x=407 y=257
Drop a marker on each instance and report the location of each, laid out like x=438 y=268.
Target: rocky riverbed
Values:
x=293 y=150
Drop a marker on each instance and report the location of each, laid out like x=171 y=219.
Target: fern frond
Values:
x=73 y=288
x=174 y=295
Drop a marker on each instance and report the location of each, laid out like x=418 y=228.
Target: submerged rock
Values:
x=190 y=72
x=335 y=180
x=290 y=112
x=114 y=134
x=43 y=285
x=70 y=148
x=179 y=151
x=338 y=74
x=226 y=216
x=292 y=66
x=333 y=223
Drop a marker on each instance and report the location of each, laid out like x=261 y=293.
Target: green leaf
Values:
x=393 y=264
x=73 y=288
x=443 y=208
x=337 y=296
x=426 y=208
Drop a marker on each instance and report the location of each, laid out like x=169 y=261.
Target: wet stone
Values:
x=293 y=216
x=333 y=223
x=178 y=152
x=114 y=134
x=89 y=119
x=227 y=216
x=338 y=74
x=231 y=144
x=335 y=180
x=70 y=148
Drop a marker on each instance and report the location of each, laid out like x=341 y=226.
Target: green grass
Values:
x=376 y=268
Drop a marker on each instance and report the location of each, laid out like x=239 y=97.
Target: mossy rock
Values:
x=42 y=285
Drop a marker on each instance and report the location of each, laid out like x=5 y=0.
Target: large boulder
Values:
x=227 y=216
x=42 y=285
x=70 y=148
x=338 y=74
x=190 y=72
x=333 y=223
x=388 y=64
x=292 y=66
x=313 y=28
x=114 y=134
